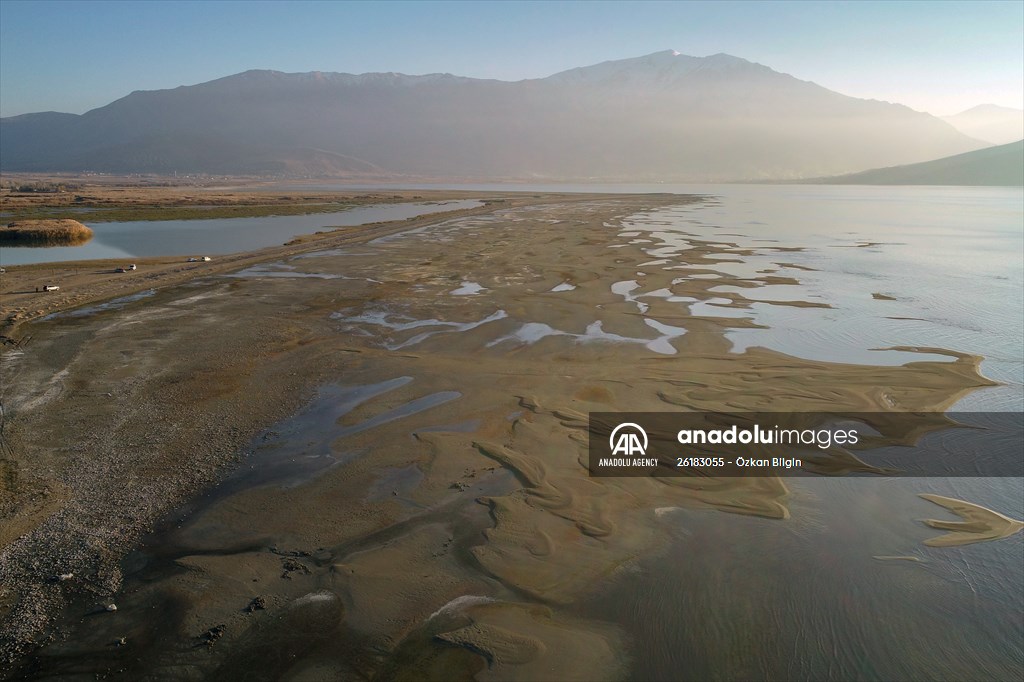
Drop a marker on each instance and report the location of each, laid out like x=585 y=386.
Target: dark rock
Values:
x=211 y=636
x=257 y=604
x=291 y=565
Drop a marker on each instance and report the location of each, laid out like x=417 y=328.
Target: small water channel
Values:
x=148 y=238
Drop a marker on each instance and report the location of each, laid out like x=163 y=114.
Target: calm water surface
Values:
x=745 y=598
x=212 y=237
x=952 y=260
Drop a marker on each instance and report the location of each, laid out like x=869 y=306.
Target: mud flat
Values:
x=365 y=454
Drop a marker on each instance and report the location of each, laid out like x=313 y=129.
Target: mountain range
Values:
x=990 y=123
x=663 y=116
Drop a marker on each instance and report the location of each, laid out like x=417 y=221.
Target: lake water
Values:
x=950 y=259
x=741 y=598
x=747 y=598
x=138 y=239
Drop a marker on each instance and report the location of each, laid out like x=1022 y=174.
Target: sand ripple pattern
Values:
x=468 y=561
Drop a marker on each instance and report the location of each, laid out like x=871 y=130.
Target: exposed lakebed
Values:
x=427 y=510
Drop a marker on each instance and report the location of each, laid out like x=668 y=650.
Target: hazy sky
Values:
x=940 y=57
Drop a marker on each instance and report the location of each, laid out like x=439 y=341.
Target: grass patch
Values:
x=157 y=212
x=45 y=233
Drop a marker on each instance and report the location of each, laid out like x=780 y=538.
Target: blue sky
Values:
x=941 y=57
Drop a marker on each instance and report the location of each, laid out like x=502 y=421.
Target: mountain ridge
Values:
x=990 y=123
x=659 y=116
x=999 y=166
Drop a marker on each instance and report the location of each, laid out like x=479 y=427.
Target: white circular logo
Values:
x=629 y=441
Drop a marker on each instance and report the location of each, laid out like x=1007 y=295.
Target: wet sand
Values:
x=415 y=500
x=979 y=523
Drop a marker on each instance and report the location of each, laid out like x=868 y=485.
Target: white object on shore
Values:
x=111 y=607
x=50 y=287
x=65 y=576
x=468 y=289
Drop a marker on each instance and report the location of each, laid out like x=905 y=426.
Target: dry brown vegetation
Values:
x=60 y=232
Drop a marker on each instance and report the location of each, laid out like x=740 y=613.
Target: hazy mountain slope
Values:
x=1002 y=165
x=990 y=123
x=660 y=117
